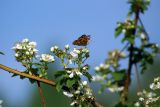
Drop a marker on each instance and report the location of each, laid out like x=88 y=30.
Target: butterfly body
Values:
x=82 y=40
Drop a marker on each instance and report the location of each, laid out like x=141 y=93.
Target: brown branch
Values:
x=41 y=94
x=10 y=70
x=38 y=79
x=124 y=95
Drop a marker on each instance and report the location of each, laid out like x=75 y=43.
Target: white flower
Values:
x=47 y=58
x=122 y=54
x=137 y=104
x=97 y=68
x=152 y=86
x=27 y=53
x=67 y=46
x=77 y=92
x=85 y=68
x=106 y=66
x=16 y=55
x=69 y=71
x=115 y=89
x=53 y=48
x=67 y=94
x=85 y=50
x=25 y=40
x=143 y=36
x=78 y=73
x=73 y=103
x=102 y=65
x=74 y=55
x=70 y=61
x=33 y=44
x=76 y=51
x=84 y=83
x=71 y=75
x=124 y=31
x=17 y=46
x=141 y=99
x=97 y=78
x=35 y=50
x=156 y=79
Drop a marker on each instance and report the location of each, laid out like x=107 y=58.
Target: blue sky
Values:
x=59 y=22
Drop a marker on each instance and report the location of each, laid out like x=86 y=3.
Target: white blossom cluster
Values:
x=72 y=73
x=26 y=53
x=156 y=84
x=113 y=58
x=82 y=93
x=70 y=57
x=106 y=69
x=1 y=103
x=25 y=50
x=73 y=64
x=146 y=98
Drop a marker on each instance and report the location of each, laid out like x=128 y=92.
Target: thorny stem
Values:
x=124 y=95
x=41 y=94
x=38 y=79
x=10 y=70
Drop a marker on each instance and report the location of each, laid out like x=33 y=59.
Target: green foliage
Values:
x=110 y=74
x=138 y=5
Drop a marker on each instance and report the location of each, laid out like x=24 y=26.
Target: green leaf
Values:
x=88 y=76
x=59 y=73
x=14 y=75
x=70 y=83
x=22 y=77
x=58 y=86
x=1 y=53
x=118 y=75
x=32 y=81
x=129 y=39
x=118 y=31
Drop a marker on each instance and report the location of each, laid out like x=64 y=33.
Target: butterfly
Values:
x=82 y=40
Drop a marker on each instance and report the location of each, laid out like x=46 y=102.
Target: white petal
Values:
x=71 y=75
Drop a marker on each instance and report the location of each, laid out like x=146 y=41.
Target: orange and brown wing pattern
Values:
x=82 y=40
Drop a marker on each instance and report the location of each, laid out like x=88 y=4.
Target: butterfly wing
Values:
x=82 y=40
